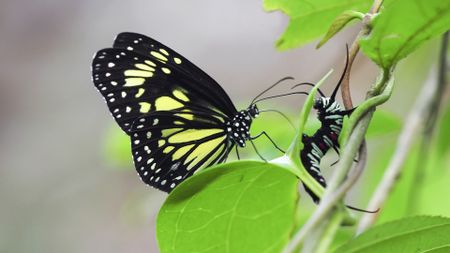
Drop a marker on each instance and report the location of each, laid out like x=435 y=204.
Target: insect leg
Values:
x=237 y=153
x=348 y=112
x=337 y=151
x=227 y=152
x=270 y=139
x=257 y=152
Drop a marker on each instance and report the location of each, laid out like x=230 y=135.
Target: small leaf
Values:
x=403 y=26
x=310 y=19
x=413 y=234
x=340 y=22
x=244 y=206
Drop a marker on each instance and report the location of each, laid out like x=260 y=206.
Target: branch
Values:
x=415 y=120
x=429 y=128
x=354 y=49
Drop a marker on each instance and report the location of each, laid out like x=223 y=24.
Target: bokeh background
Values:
x=61 y=188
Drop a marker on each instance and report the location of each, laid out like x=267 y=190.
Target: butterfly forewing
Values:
x=202 y=82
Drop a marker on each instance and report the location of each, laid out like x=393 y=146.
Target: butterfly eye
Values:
x=254 y=111
x=317 y=104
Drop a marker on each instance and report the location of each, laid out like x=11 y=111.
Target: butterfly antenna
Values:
x=282 y=114
x=280 y=95
x=309 y=84
x=342 y=76
x=272 y=86
x=362 y=210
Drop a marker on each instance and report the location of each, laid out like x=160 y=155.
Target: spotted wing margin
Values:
x=134 y=85
x=169 y=146
x=157 y=51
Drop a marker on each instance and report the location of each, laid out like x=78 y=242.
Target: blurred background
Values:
x=67 y=183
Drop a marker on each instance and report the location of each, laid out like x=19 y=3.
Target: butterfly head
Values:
x=321 y=103
x=253 y=111
x=326 y=106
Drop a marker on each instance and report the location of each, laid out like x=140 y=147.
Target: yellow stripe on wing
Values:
x=193 y=135
x=203 y=150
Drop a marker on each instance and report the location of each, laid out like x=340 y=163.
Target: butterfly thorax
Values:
x=238 y=128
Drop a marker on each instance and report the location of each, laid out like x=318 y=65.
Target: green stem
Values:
x=329 y=232
x=368 y=105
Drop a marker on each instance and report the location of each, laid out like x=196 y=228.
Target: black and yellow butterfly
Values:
x=179 y=119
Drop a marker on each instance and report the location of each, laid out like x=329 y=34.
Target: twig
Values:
x=429 y=129
x=406 y=139
x=354 y=49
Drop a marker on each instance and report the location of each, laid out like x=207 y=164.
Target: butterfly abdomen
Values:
x=316 y=146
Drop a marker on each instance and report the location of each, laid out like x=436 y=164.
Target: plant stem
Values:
x=416 y=118
x=354 y=49
x=323 y=209
x=334 y=193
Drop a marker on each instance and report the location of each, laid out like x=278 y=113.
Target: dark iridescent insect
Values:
x=178 y=118
x=331 y=116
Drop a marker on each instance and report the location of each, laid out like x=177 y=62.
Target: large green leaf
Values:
x=402 y=26
x=413 y=234
x=310 y=19
x=246 y=206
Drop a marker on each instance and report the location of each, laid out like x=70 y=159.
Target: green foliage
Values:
x=310 y=19
x=245 y=206
x=251 y=206
x=402 y=26
x=383 y=122
x=414 y=234
x=339 y=23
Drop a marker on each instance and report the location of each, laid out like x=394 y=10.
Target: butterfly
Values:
x=179 y=119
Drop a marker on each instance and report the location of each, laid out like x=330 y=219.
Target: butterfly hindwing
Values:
x=168 y=146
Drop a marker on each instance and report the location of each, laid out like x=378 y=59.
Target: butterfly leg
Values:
x=257 y=152
x=270 y=139
x=227 y=152
x=337 y=151
x=237 y=153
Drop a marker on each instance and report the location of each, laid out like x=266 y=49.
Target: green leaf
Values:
x=245 y=206
x=414 y=234
x=117 y=148
x=310 y=19
x=340 y=22
x=383 y=122
x=402 y=26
